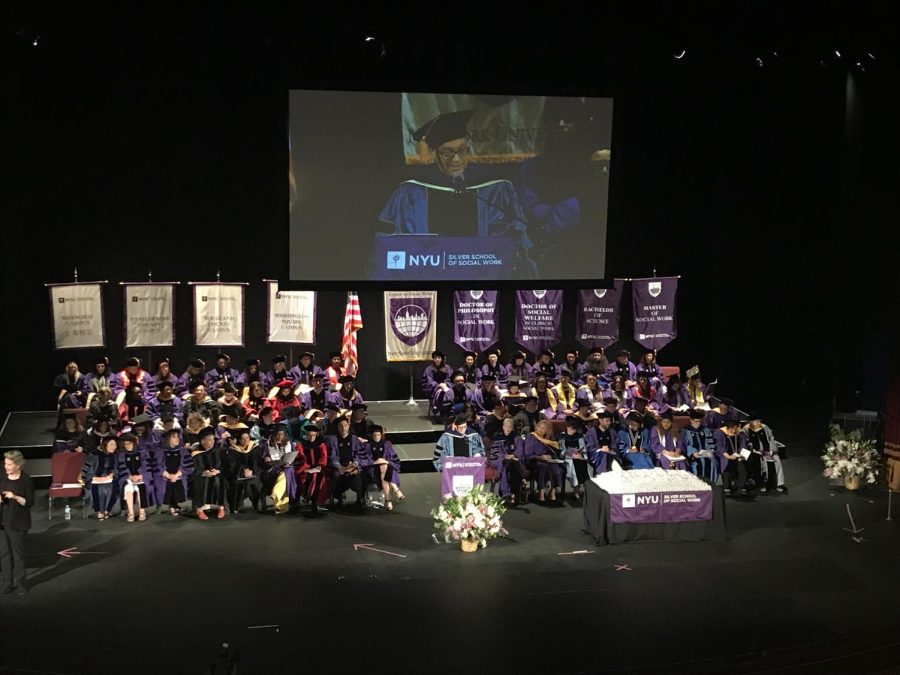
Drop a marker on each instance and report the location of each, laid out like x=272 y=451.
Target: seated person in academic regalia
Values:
x=133 y=403
x=634 y=444
x=315 y=398
x=221 y=374
x=590 y=394
x=574 y=367
x=471 y=371
x=306 y=369
x=70 y=435
x=177 y=467
x=229 y=395
x=623 y=366
x=335 y=369
x=100 y=431
x=229 y=423
x=194 y=423
x=346 y=395
x=720 y=414
x=132 y=374
x=250 y=374
x=360 y=424
x=506 y=458
x=563 y=395
x=574 y=451
x=99 y=377
x=310 y=468
x=644 y=388
x=162 y=373
x=700 y=447
x=458 y=441
x=674 y=397
x=649 y=415
x=597 y=362
x=133 y=477
x=547 y=401
x=344 y=450
x=603 y=444
x=448 y=198
x=278 y=455
x=514 y=398
x=611 y=405
x=545 y=366
x=332 y=415
x=450 y=400
x=519 y=369
x=486 y=396
x=165 y=401
x=68 y=387
x=291 y=420
x=283 y=399
x=195 y=372
x=436 y=373
x=761 y=442
x=253 y=402
x=208 y=479
x=542 y=456
x=166 y=422
x=495 y=368
x=492 y=423
x=732 y=465
x=100 y=477
x=381 y=466
x=265 y=424
x=618 y=391
x=526 y=420
x=696 y=391
x=473 y=419
x=666 y=443
x=201 y=403
x=649 y=365
x=244 y=471
x=278 y=373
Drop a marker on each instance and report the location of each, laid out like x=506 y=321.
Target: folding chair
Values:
x=65 y=471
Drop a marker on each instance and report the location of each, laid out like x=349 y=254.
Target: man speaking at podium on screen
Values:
x=450 y=200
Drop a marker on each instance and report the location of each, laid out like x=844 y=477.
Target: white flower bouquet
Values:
x=849 y=454
x=474 y=516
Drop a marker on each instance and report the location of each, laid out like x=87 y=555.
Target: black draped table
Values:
x=597 y=522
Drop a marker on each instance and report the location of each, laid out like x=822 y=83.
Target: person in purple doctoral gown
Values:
x=730 y=441
x=221 y=374
x=506 y=456
x=546 y=396
x=165 y=401
x=603 y=444
x=99 y=377
x=649 y=365
x=563 y=396
x=317 y=397
x=634 y=443
x=666 y=444
x=644 y=388
x=66 y=386
x=471 y=371
x=305 y=369
x=590 y=394
x=381 y=466
x=162 y=373
x=495 y=368
x=176 y=464
x=674 y=397
x=437 y=372
x=486 y=396
x=344 y=458
x=346 y=396
x=724 y=412
x=573 y=450
x=195 y=372
x=278 y=373
x=134 y=477
x=249 y=375
x=449 y=400
x=696 y=392
x=131 y=374
x=623 y=365
x=545 y=366
x=541 y=454
x=571 y=362
x=597 y=362
x=519 y=369
x=700 y=447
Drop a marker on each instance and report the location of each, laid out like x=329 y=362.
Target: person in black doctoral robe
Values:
x=177 y=467
x=245 y=468
x=208 y=480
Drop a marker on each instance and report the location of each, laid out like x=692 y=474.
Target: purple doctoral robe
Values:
x=524 y=372
x=451 y=400
x=585 y=398
x=629 y=370
x=301 y=375
x=369 y=452
x=543 y=472
x=432 y=377
x=155 y=408
x=155 y=382
x=673 y=399
x=225 y=376
x=272 y=378
x=501 y=446
x=337 y=398
x=499 y=371
x=485 y=401
x=670 y=442
x=730 y=444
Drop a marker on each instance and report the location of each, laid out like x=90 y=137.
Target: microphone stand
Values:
x=411 y=401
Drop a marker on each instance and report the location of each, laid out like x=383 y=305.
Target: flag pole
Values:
x=411 y=400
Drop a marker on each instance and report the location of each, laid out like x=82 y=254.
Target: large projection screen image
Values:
x=390 y=186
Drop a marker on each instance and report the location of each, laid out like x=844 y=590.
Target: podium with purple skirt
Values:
x=461 y=474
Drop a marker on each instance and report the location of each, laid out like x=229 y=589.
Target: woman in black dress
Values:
x=16 y=500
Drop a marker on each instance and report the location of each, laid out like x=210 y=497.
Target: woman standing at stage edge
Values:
x=16 y=500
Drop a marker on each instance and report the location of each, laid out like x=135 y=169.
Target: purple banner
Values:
x=655 y=323
x=597 y=320
x=660 y=507
x=475 y=319
x=538 y=318
x=461 y=474
x=410 y=257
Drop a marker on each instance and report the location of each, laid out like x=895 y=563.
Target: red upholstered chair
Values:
x=65 y=471
x=668 y=371
x=680 y=422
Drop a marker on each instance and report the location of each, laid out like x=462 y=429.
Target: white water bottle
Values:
x=68 y=512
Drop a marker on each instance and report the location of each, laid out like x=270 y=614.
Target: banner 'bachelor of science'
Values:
x=77 y=314
x=410 y=330
x=475 y=325
x=149 y=315
x=655 y=323
x=538 y=315
x=292 y=315
x=219 y=315
x=597 y=320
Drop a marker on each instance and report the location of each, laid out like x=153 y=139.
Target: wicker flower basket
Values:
x=852 y=482
x=468 y=545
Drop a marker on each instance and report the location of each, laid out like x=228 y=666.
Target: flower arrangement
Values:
x=850 y=456
x=474 y=516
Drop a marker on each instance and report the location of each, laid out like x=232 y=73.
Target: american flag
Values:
x=352 y=323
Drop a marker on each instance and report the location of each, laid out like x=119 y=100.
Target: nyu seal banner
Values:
x=597 y=320
x=292 y=315
x=77 y=315
x=409 y=325
x=538 y=316
x=475 y=319
x=149 y=315
x=655 y=323
x=219 y=315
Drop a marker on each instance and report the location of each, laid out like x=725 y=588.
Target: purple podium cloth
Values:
x=461 y=474
x=661 y=507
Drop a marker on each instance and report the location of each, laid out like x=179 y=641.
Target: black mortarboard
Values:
x=171 y=432
x=489 y=377
x=229 y=387
x=162 y=361
x=610 y=399
x=447 y=127
x=754 y=415
x=668 y=415
x=129 y=437
x=344 y=379
x=644 y=373
x=166 y=417
x=565 y=371
x=596 y=350
x=166 y=384
x=265 y=410
x=206 y=431
x=726 y=401
x=517 y=383
x=495 y=351
x=309 y=354
x=376 y=428
x=547 y=352
x=197 y=363
x=252 y=362
x=140 y=419
x=634 y=416
x=604 y=415
x=231 y=410
x=332 y=407
x=572 y=351
x=518 y=355
x=572 y=421
x=474 y=355
x=438 y=353
x=280 y=358
x=334 y=355
x=102 y=359
x=459 y=373
x=697 y=414
x=132 y=361
x=317 y=375
x=359 y=406
x=223 y=355
x=623 y=352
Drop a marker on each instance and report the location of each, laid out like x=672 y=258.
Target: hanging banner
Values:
x=409 y=325
x=149 y=315
x=292 y=315
x=538 y=315
x=219 y=315
x=653 y=300
x=475 y=319
x=76 y=311
x=597 y=320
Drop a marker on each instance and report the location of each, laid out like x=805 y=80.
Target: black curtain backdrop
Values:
x=141 y=143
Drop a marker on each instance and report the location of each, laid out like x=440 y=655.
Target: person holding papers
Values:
x=542 y=454
x=244 y=467
x=436 y=373
x=208 y=478
x=346 y=395
x=460 y=440
x=731 y=446
x=675 y=396
x=666 y=444
x=306 y=369
x=574 y=451
x=763 y=444
x=603 y=444
x=381 y=464
x=507 y=458
x=700 y=447
x=345 y=455
x=310 y=468
x=100 y=477
x=634 y=444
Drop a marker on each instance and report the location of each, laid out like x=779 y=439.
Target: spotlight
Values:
x=759 y=61
x=680 y=55
x=836 y=53
x=35 y=41
x=369 y=38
